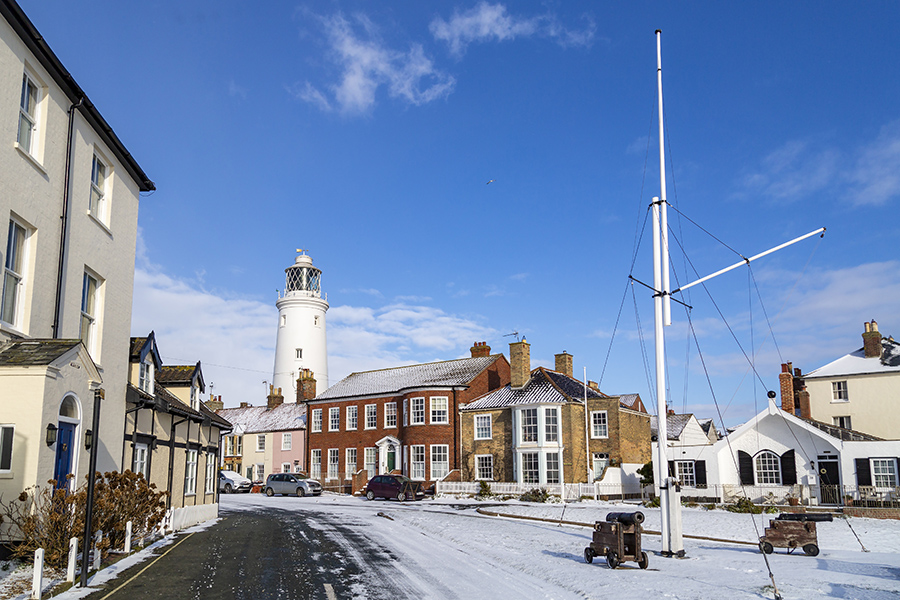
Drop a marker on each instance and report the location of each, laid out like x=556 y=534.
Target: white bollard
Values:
x=127 y=537
x=97 y=539
x=73 y=558
x=38 y=582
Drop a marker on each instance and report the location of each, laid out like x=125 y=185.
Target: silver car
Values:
x=292 y=484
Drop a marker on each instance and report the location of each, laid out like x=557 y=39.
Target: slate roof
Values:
x=392 y=381
x=28 y=353
x=176 y=374
x=843 y=434
x=632 y=401
x=675 y=424
x=856 y=362
x=163 y=399
x=260 y=419
x=571 y=386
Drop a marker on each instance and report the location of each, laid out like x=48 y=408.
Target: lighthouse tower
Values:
x=300 y=343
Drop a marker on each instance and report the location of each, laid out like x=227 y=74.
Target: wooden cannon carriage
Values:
x=792 y=531
x=619 y=540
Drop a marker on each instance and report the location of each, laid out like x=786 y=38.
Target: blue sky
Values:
x=367 y=132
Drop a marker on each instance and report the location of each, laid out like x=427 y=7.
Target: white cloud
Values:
x=234 y=338
x=491 y=22
x=367 y=64
x=868 y=174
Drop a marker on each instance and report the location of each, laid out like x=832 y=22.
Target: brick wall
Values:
x=500 y=445
x=574 y=456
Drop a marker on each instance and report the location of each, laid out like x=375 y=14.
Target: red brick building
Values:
x=404 y=419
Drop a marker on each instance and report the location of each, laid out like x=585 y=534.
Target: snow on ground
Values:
x=444 y=548
x=449 y=550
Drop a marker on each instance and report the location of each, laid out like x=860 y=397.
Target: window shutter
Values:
x=745 y=465
x=863 y=472
x=788 y=468
x=671 y=468
x=700 y=472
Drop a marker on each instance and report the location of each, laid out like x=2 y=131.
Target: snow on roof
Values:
x=538 y=390
x=391 y=381
x=856 y=363
x=675 y=424
x=260 y=419
x=630 y=401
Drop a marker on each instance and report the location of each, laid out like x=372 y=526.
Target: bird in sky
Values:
x=490 y=182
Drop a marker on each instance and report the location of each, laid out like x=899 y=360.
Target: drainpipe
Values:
x=64 y=219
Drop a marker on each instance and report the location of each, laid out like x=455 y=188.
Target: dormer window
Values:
x=145 y=380
x=194 y=397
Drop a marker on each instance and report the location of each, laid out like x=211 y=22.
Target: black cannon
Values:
x=618 y=539
x=792 y=531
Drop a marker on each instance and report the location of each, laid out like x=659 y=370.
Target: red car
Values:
x=394 y=486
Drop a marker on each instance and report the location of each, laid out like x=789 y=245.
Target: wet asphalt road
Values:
x=266 y=553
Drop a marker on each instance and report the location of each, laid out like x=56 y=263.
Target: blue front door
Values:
x=65 y=438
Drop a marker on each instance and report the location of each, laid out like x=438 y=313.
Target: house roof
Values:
x=841 y=433
x=632 y=401
x=30 y=353
x=675 y=425
x=448 y=373
x=163 y=399
x=141 y=346
x=182 y=375
x=260 y=419
x=38 y=46
x=856 y=363
x=544 y=387
x=707 y=424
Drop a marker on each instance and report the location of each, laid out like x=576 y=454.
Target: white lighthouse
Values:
x=300 y=343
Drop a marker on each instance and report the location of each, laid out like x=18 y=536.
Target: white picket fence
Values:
x=569 y=491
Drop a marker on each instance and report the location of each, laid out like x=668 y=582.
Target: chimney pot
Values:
x=872 y=341
x=480 y=349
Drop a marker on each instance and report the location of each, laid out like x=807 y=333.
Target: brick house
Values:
x=533 y=431
x=403 y=419
x=271 y=438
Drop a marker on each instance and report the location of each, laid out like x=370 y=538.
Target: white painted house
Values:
x=68 y=225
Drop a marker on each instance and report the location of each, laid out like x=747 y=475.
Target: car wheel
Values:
x=644 y=561
x=588 y=555
x=270 y=492
x=300 y=492
x=612 y=559
x=401 y=496
x=370 y=495
x=228 y=488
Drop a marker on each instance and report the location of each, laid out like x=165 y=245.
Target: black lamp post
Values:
x=98 y=396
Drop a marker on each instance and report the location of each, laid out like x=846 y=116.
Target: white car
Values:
x=232 y=482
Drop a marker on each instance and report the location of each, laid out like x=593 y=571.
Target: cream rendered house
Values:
x=68 y=225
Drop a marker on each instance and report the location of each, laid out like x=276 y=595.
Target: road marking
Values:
x=329 y=591
x=145 y=568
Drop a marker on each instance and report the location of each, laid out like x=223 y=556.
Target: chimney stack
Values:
x=519 y=364
x=274 y=398
x=872 y=340
x=215 y=403
x=245 y=405
x=786 y=379
x=306 y=386
x=480 y=349
x=594 y=385
x=564 y=363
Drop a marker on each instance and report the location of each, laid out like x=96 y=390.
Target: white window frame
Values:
x=260 y=442
x=529 y=430
x=417 y=461
x=315 y=464
x=484 y=427
x=352 y=417
x=551 y=424
x=767 y=468
x=7 y=443
x=390 y=415
x=194 y=391
x=139 y=460
x=260 y=472
x=33 y=118
x=843 y=422
x=285 y=467
x=440 y=410
x=287 y=440
x=884 y=474
x=316 y=426
x=334 y=463
x=146 y=375
x=14 y=281
x=334 y=418
x=349 y=462
x=210 y=484
x=531 y=468
x=99 y=198
x=440 y=461
x=417 y=414
x=90 y=312
x=484 y=467
x=599 y=461
x=405 y=412
x=371 y=465
x=686 y=473
x=371 y=416
x=549 y=467
x=599 y=425
x=839 y=391
x=190 y=473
